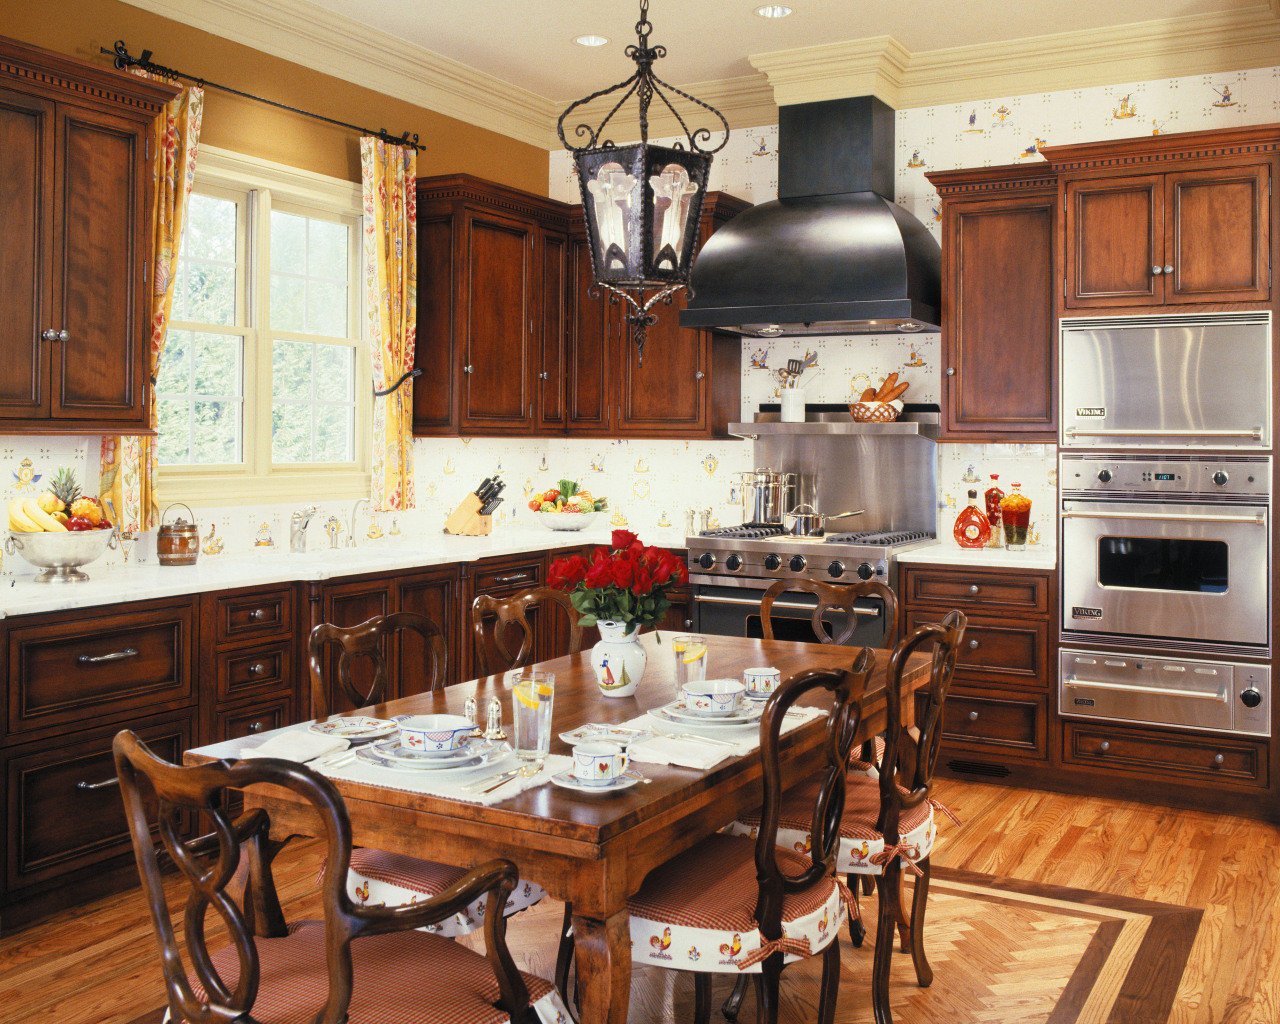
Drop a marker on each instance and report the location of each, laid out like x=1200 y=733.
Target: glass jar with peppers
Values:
x=992 y=496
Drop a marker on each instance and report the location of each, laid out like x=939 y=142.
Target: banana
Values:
x=18 y=521
x=43 y=521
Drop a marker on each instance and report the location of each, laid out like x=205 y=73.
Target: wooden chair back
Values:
x=228 y=871
x=838 y=597
x=843 y=717
x=491 y=617
x=910 y=754
x=368 y=641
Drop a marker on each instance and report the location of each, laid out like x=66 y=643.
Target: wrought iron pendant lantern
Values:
x=642 y=203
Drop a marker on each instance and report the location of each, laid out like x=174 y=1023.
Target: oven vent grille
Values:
x=1164 y=645
x=1166 y=321
x=994 y=771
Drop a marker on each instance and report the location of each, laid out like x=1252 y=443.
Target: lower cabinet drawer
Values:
x=254 y=614
x=64 y=807
x=1165 y=756
x=997 y=650
x=996 y=722
x=261 y=717
x=259 y=670
x=501 y=579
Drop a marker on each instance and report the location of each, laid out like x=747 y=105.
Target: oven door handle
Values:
x=790 y=606
x=1257 y=519
x=1255 y=432
x=1220 y=696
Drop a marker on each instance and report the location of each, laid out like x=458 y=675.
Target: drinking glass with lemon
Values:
x=691 y=660
x=532 y=693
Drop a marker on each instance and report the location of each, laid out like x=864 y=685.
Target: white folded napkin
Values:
x=297 y=745
x=686 y=753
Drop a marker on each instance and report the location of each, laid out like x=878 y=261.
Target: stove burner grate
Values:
x=746 y=530
x=883 y=537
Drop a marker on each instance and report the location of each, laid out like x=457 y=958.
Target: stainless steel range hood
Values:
x=833 y=254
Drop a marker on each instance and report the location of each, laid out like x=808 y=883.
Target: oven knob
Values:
x=1250 y=698
x=797 y=563
x=733 y=563
x=1220 y=478
x=772 y=562
x=707 y=560
x=865 y=571
x=1104 y=476
x=835 y=569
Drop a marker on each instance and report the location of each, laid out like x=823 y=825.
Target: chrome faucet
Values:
x=351 y=533
x=298 y=530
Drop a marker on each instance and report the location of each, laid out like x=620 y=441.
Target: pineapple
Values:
x=88 y=508
x=65 y=487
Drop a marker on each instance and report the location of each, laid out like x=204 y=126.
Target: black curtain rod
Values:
x=123 y=61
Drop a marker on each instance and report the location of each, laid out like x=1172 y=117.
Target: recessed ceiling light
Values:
x=774 y=11
x=591 y=40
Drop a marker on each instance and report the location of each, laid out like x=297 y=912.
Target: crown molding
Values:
x=1164 y=48
x=315 y=37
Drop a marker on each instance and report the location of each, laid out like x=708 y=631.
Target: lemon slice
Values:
x=525 y=694
x=677 y=646
x=694 y=653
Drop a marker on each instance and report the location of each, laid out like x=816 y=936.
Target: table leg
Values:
x=603 y=951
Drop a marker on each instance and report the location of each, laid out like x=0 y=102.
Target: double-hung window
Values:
x=263 y=391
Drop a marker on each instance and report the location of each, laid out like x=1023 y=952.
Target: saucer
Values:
x=355 y=727
x=621 y=735
x=390 y=753
x=567 y=780
x=678 y=711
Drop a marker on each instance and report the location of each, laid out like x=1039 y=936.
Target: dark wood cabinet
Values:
x=348 y=602
x=1168 y=219
x=503 y=577
x=437 y=594
x=998 y=337
x=76 y=205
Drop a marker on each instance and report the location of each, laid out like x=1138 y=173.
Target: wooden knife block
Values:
x=466 y=520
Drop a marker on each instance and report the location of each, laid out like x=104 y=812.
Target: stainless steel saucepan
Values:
x=811 y=523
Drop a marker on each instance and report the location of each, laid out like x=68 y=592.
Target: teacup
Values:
x=433 y=734
x=714 y=698
x=597 y=763
x=760 y=682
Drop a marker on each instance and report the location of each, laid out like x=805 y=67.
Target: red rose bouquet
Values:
x=625 y=582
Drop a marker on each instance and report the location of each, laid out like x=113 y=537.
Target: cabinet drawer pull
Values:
x=255 y=727
x=973 y=716
x=1218 y=759
x=973 y=645
x=1104 y=746
x=513 y=578
x=257 y=668
x=95 y=659
x=257 y=615
x=89 y=786
x=973 y=588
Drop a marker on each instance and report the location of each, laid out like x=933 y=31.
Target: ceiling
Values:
x=512 y=65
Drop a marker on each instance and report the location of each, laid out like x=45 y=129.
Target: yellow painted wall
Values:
x=80 y=27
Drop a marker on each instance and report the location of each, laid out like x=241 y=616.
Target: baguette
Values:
x=868 y=396
x=886 y=387
x=897 y=391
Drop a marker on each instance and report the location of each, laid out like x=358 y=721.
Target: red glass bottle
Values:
x=993 y=495
x=973 y=528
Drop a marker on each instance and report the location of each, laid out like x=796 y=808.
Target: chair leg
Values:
x=564 y=955
x=868 y=884
x=900 y=913
x=734 y=1003
x=887 y=888
x=702 y=998
x=767 y=991
x=857 y=930
x=924 y=973
x=830 y=983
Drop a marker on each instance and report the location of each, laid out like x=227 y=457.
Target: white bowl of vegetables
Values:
x=567 y=507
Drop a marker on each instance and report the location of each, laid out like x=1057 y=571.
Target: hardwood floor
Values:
x=99 y=964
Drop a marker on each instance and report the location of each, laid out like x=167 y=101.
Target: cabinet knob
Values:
x=255 y=727
x=1157 y=271
x=973 y=645
x=699 y=375
x=50 y=335
x=973 y=588
x=973 y=716
x=468 y=368
x=64 y=335
x=951 y=371
x=1218 y=759
x=257 y=615
x=257 y=668
x=1168 y=268
x=1104 y=746
x=544 y=375
x=688 y=623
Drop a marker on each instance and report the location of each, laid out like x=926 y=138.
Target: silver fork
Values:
x=693 y=736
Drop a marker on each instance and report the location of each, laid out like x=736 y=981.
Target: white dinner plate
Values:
x=567 y=780
x=391 y=754
x=355 y=727
x=678 y=711
x=621 y=735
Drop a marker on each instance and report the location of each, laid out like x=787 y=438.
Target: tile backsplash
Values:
x=651 y=484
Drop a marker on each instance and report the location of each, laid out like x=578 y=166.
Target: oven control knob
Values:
x=865 y=571
x=1220 y=478
x=797 y=563
x=836 y=569
x=772 y=562
x=733 y=563
x=707 y=560
x=1104 y=476
x=1250 y=698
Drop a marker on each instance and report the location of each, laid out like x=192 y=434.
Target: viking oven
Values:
x=1168 y=556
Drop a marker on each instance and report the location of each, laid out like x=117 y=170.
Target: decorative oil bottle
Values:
x=992 y=498
x=973 y=528
x=1015 y=514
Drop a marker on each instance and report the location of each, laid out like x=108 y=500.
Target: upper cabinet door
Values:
x=499 y=321
x=1115 y=241
x=26 y=252
x=100 y=297
x=666 y=393
x=593 y=326
x=435 y=390
x=553 y=337
x=1217 y=235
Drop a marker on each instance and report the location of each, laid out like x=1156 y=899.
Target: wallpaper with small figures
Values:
x=652 y=484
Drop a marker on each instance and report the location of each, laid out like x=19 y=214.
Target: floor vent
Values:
x=995 y=771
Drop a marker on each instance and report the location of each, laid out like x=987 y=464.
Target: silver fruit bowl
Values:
x=60 y=555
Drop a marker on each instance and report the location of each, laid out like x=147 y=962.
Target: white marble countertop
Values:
x=1036 y=557
x=110 y=584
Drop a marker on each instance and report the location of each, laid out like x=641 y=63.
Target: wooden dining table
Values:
x=591 y=850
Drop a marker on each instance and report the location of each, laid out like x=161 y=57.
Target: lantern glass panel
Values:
x=672 y=194
x=612 y=190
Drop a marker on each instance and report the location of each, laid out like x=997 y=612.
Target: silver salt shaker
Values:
x=471 y=711
x=493 y=727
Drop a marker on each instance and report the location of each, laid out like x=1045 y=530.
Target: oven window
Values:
x=1163 y=563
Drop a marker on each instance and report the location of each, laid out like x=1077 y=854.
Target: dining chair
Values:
x=492 y=617
x=889 y=820
x=738 y=905
x=833 y=597
x=271 y=970
x=378 y=876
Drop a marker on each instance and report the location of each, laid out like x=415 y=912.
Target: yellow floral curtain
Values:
x=128 y=464
x=389 y=179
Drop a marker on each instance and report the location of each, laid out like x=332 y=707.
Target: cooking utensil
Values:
x=812 y=523
x=766 y=493
x=794 y=368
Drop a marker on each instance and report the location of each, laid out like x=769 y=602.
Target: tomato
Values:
x=535 y=504
x=552 y=494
